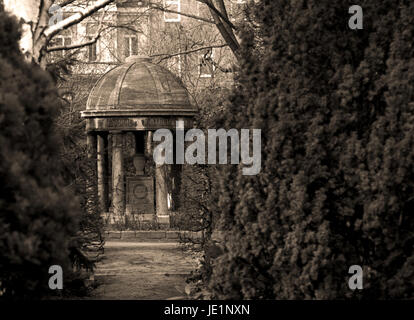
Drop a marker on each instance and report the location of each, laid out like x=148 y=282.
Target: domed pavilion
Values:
x=125 y=106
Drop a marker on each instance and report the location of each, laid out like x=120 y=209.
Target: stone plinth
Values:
x=140 y=195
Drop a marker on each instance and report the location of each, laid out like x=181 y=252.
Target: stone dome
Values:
x=138 y=88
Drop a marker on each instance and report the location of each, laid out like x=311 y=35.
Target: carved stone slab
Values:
x=140 y=194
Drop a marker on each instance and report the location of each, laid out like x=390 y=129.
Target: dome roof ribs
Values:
x=138 y=88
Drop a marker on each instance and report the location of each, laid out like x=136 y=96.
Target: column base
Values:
x=163 y=219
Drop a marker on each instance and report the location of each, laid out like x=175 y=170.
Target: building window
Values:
x=60 y=41
x=91 y=30
x=174 y=5
x=92 y=50
x=206 y=67
x=130 y=45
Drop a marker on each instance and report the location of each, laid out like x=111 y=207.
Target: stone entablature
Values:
x=132 y=123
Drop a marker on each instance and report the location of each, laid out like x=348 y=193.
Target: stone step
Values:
x=151 y=235
x=117 y=274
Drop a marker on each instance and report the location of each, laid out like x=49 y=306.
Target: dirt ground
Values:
x=142 y=271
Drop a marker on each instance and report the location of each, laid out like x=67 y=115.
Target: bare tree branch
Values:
x=75 y=18
x=227 y=34
x=223 y=15
x=100 y=63
x=227 y=23
x=170 y=55
x=75 y=45
x=84 y=44
x=44 y=32
x=65 y=3
x=219 y=67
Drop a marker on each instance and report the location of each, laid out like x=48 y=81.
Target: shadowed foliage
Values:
x=337 y=182
x=38 y=214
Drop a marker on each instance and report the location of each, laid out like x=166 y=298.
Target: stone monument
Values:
x=124 y=107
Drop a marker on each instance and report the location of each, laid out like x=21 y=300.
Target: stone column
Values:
x=161 y=193
x=161 y=186
x=90 y=180
x=91 y=144
x=118 y=188
x=102 y=159
x=148 y=144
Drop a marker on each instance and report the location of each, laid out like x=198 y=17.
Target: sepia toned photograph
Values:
x=206 y=154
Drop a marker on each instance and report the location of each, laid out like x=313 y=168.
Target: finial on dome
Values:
x=138 y=58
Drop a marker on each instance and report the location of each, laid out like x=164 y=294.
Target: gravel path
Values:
x=142 y=271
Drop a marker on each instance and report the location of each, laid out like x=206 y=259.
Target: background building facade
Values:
x=178 y=34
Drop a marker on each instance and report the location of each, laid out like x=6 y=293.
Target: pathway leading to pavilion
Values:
x=142 y=270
